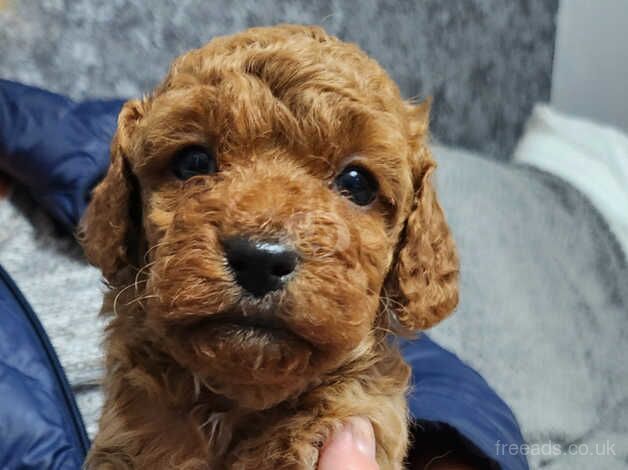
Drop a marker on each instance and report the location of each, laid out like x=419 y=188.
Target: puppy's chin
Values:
x=256 y=353
x=254 y=364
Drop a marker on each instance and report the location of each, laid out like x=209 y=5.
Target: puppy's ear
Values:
x=424 y=279
x=110 y=230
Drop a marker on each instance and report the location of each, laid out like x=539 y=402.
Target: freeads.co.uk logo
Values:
x=554 y=449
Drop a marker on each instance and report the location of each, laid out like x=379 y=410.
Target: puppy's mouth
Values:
x=251 y=321
x=248 y=349
x=252 y=324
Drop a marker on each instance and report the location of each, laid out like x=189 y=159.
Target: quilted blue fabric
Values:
x=58 y=149
x=40 y=425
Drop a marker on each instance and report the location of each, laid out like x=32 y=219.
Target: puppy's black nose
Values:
x=259 y=267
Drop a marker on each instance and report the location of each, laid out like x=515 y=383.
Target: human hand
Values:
x=350 y=448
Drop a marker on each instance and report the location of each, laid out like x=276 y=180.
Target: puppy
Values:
x=267 y=221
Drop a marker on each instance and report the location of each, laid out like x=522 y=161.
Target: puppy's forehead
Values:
x=290 y=59
x=292 y=87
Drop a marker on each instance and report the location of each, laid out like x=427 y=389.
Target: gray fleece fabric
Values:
x=543 y=313
x=485 y=62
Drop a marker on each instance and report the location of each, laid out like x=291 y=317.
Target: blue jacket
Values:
x=59 y=149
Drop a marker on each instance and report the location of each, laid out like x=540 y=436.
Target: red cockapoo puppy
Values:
x=266 y=222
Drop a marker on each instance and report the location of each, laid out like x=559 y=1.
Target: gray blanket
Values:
x=543 y=313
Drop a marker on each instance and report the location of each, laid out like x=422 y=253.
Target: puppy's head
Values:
x=274 y=193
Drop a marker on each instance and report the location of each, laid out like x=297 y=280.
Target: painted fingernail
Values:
x=362 y=435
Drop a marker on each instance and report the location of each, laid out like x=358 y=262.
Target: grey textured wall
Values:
x=485 y=61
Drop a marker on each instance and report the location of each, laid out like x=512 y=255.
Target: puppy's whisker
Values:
x=197 y=387
x=385 y=330
x=403 y=308
x=141 y=299
x=117 y=297
x=154 y=247
x=139 y=273
x=328 y=17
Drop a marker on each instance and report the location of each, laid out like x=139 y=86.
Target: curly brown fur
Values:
x=284 y=109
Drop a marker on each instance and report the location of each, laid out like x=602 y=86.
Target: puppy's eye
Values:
x=357 y=184
x=193 y=161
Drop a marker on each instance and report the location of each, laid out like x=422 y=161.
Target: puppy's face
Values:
x=274 y=194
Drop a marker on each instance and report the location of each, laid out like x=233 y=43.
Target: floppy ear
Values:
x=110 y=230
x=424 y=279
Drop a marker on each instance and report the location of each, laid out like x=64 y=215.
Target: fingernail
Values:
x=362 y=435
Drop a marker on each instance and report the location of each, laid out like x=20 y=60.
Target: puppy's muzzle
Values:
x=259 y=267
